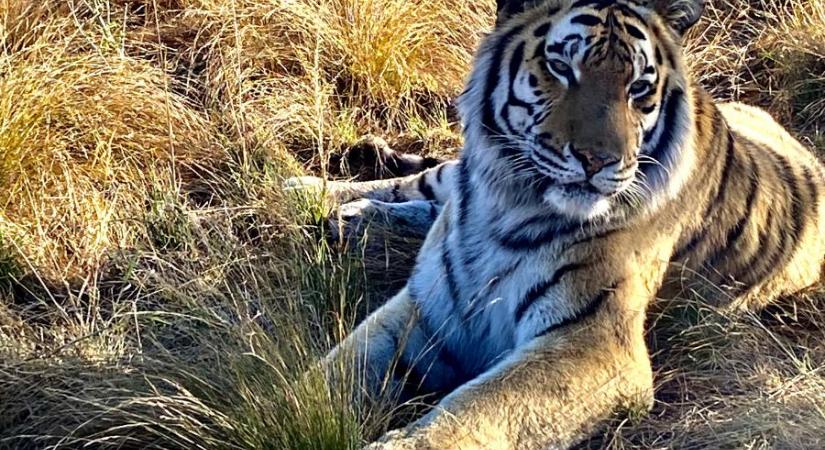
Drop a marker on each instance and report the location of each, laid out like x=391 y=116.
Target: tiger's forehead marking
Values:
x=567 y=38
x=587 y=30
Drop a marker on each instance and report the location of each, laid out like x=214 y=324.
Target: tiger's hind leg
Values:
x=433 y=184
x=404 y=206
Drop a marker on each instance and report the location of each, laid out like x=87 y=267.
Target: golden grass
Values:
x=768 y=54
x=158 y=290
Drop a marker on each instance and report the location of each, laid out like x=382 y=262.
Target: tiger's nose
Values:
x=593 y=160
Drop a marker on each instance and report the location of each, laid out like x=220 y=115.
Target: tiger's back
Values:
x=757 y=221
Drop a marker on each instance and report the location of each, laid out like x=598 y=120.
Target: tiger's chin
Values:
x=577 y=203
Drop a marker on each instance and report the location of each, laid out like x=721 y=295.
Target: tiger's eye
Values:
x=640 y=88
x=559 y=66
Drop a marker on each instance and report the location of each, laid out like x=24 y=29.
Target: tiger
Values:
x=597 y=178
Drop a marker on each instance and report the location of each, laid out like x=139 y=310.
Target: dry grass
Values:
x=768 y=54
x=157 y=290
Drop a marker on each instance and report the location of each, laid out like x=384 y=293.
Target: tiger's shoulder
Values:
x=756 y=125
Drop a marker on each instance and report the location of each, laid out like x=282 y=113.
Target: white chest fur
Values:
x=471 y=289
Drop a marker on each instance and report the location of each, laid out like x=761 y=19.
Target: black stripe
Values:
x=515 y=63
x=522 y=242
x=518 y=239
x=549 y=162
x=712 y=206
x=493 y=80
x=541 y=219
x=589 y=310
x=595 y=4
x=808 y=176
x=699 y=112
x=512 y=100
x=425 y=188
x=546 y=140
x=538 y=53
x=791 y=226
x=542 y=30
x=587 y=20
x=649 y=134
x=668 y=54
x=730 y=155
x=447 y=262
x=743 y=269
x=646 y=97
x=556 y=48
x=816 y=194
x=621 y=48
x=540 y=289
x=465 y=190
x=669 y=128
x=735 y=232
x=470 y=255
x=504 y=113
x=673 y=102
x=438 y=172
x=671 y=59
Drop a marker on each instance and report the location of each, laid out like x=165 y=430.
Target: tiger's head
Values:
x=586 y=103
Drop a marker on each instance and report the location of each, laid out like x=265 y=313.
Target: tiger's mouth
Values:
x=582 y=187
x=586 y=188
x=579 y=200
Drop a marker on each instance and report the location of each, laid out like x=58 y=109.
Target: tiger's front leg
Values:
x=552 y=391
x=382 y=356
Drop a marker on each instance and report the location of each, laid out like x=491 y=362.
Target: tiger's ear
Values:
x=680 y=14
x=505 y=5
x=507 y=8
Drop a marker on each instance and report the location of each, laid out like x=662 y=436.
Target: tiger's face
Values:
x=577 y=92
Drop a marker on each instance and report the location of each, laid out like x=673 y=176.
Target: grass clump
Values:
x=81 y=134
